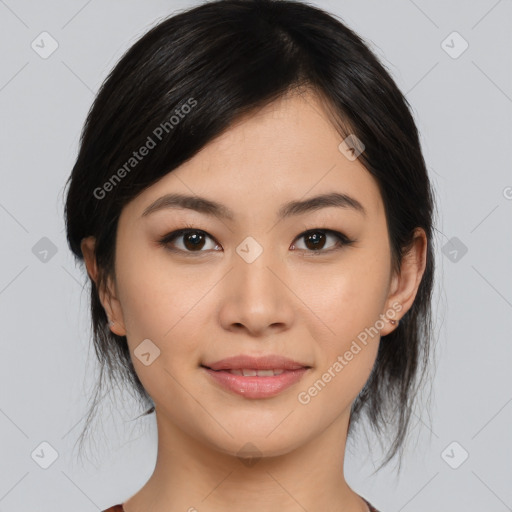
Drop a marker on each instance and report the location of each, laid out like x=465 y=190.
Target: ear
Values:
x=108 y=293
x=404 y=286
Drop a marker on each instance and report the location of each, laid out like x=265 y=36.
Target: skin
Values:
x=202 y=308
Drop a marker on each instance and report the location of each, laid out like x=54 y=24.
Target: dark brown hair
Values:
x=232 y=57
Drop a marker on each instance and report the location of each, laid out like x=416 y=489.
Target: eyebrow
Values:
x=292 y=208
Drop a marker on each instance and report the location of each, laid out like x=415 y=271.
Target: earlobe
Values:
x=115 y=328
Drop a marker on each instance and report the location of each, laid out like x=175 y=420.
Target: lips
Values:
x=249 y=372
x=255 y=387
x=256 y=363
x=256 y=377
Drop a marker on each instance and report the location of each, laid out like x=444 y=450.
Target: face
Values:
x=308 y=282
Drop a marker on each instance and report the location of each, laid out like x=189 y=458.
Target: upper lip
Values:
x=267 y=362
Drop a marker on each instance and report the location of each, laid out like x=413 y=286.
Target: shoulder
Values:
x=115 y=508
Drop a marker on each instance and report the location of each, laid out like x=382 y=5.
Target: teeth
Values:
x=254 y=373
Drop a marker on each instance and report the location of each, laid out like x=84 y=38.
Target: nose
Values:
x=256 y=298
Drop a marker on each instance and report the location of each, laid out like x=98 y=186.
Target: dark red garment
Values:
x=119 y=508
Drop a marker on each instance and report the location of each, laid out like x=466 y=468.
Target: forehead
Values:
x=285 y=151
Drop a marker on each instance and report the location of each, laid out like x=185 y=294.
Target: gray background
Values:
x=463 y=109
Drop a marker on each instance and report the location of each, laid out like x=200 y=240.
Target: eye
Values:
x=315 y=240
x=193 y=240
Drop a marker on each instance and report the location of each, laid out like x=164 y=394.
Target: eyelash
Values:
x=170 y=237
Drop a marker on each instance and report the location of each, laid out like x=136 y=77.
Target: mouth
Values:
x=248 y=363
x=251 y=372
x=254 y=383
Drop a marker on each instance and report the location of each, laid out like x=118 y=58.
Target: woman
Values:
x=254 y=213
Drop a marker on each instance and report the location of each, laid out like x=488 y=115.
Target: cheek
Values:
x=348 y=345
x=346 y=301
x=154 y=295
x=345 y=298
x=160 y=308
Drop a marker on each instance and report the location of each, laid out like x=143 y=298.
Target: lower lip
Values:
x=257 y=387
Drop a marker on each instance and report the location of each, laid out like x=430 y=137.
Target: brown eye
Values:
x=188 y=240
x=316 y=240
x=193 y=241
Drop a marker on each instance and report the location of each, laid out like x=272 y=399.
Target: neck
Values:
x=191 y=475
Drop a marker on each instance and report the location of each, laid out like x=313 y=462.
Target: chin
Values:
x=254 y=443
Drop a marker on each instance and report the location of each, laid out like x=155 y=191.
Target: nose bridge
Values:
x=253 y=262
x=256 y=298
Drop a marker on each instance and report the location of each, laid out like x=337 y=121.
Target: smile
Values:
x=255 y=384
